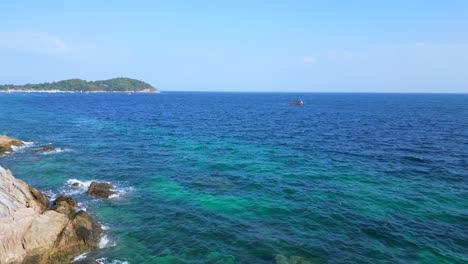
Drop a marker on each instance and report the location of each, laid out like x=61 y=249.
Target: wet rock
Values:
x=64 y=204
x=80 y=234
x=7 y=142
x=86 y=228
x=100 y=189
x=75 y=184
x=45 y=148
x=42 y=200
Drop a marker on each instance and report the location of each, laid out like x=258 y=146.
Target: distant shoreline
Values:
x=59 y=91
x=119 y=85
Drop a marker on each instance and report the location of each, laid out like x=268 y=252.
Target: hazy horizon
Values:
x=265 y=46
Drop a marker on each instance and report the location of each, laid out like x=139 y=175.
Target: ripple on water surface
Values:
x=222 y=178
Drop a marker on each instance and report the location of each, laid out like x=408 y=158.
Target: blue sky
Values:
x=287 y=46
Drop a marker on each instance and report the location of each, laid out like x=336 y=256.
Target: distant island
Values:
x=78 y=85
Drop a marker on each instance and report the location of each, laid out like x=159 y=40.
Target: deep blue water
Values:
x=247 y=178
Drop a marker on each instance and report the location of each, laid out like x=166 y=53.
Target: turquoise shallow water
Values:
x=247 y=178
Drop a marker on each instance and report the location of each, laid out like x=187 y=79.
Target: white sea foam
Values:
x=83 y=186
x=115 y=261
x=51 y=194
x=81 y=207
x=120 y=191
x=80 y=257
x=105 y=242
x=57 y=150
x=23 y=146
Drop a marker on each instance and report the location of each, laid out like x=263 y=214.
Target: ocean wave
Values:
x=120 y=191
x=106 y=242
x=115 y=261
x=57 y=150
x=81 y=207
x=50 y=194
x=23 y=146
x=100 y=260
x=80 y=257
x=77 y=186
x=80 y=184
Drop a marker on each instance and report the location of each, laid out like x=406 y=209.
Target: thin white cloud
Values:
x=308 y=59
x=33 y=42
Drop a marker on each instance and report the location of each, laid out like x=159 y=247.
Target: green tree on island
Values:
x=112 y=85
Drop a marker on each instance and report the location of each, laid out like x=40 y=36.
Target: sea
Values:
x=207 y=177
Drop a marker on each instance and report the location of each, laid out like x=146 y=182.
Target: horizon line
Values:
x=354 y=92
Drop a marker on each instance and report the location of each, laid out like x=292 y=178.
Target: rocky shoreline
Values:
x=6 y=144
x=36 y=230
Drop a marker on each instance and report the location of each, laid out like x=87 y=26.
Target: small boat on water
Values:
x=298 y=103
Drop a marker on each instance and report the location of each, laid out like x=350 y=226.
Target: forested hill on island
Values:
x=78 y=85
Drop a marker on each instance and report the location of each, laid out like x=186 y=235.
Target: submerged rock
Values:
x=31 y=233
x=45 y=148
x=281 y=259
x=100 y=189
x=7 y=142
